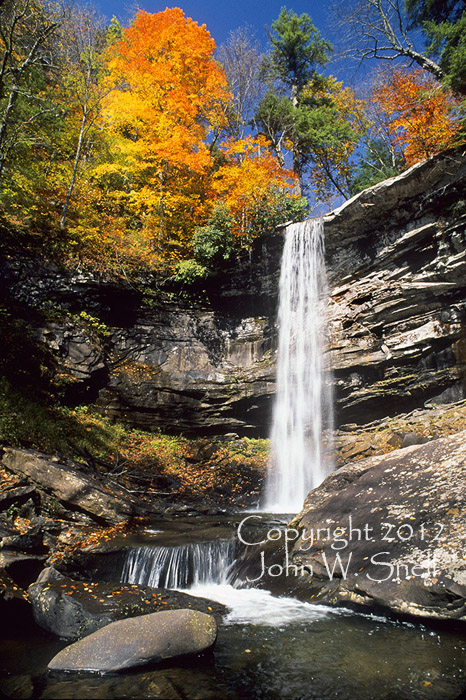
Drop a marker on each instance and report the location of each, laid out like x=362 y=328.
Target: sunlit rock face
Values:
x=396 y=267
x=386 y=532
x=397 y=274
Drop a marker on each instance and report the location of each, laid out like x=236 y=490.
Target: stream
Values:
x=268 y=648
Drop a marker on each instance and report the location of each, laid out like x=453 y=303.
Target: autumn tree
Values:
x=251 y=179
x=80 y=46
x=27 y=32
x=252 y=196
x=159 y=125
x=418 y=113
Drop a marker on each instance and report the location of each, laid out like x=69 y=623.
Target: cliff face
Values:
x=200 y=369
x=397 y=274
x=396 y=268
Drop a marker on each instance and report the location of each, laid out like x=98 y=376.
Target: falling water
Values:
x=209 y=569
x=181 y=566
x=302 y=410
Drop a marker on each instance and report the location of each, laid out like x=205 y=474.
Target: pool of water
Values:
x=268 y=648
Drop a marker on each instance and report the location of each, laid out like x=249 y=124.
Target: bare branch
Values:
x=378 y=29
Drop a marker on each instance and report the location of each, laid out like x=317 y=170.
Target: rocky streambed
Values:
x=345 y=630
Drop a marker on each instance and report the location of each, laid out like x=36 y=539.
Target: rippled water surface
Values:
x=268 y=648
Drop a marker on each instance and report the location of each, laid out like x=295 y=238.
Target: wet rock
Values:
x=73 y=609
x=14 y=603
x=135 y=642
x=393 y=527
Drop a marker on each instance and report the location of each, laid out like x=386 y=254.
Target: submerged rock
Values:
x=134 y=642
x=388 y=531
x=73 y=609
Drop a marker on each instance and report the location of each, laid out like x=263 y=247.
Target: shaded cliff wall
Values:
x=160 y=360
x=396 y=267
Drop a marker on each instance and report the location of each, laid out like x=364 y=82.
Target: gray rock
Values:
x=404 y=531
x=201 y=371
x=73 y=609
x=137 y=641
x=71 y=487
x=80 y=359
x=396 y=257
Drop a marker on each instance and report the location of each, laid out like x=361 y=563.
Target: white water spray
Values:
x=207 y=569
x=303 y=404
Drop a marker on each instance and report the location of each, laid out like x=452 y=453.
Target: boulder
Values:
x=138 y=641
x=73 y=609
x=75 y=489
x=388 y=532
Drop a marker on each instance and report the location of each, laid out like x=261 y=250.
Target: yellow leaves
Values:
x=165 y=61
x=249 y=176
x=171 y=95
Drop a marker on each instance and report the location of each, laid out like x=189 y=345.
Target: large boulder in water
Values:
x=137 y=641
x=73 y=609
x=388 y=532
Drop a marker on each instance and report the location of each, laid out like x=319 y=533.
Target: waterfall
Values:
x=303 y=404
x=181 y=566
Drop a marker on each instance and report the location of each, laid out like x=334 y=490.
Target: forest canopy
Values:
x=148 y=147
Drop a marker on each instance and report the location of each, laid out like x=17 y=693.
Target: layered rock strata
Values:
x=396 y=268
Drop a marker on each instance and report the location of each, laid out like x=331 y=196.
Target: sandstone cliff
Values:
x=397 y=264
x=396 y=268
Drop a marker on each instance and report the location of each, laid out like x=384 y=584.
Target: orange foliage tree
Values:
x=417 y=113
x=159 y=126
x=251 y=178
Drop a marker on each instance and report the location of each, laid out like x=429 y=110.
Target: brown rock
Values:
x=396 y=523
x=137 y=641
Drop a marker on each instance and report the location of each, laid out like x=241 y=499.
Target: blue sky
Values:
x=221 y=16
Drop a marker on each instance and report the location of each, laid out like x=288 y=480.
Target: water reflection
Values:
x=317 y=655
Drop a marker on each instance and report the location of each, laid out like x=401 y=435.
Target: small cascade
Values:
x=182 y=566
x=303 y=404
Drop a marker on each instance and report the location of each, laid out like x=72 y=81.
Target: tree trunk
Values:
x=75 y=168
x=3 y=127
